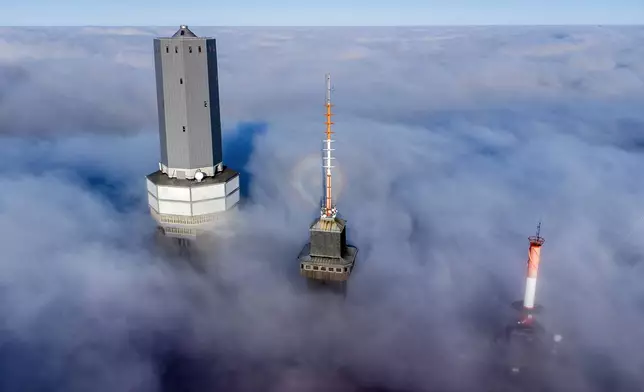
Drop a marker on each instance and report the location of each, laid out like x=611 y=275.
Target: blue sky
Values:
x=334 y=12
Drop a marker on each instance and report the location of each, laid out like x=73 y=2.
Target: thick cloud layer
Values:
x=452 y=144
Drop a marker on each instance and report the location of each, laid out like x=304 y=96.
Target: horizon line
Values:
x=343 y=25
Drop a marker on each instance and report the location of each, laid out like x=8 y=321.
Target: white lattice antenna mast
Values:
x=328 y=208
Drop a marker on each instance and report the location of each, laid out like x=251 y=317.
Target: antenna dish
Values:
x=199 y=176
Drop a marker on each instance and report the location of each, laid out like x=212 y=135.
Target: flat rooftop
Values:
x=161 y=179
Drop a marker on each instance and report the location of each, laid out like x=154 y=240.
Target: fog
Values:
x=452 y=144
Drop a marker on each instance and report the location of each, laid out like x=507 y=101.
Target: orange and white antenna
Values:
x=534 y=256
x=329 y=211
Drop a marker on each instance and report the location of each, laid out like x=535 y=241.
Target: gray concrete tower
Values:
x=188 y=102
x=192 y=186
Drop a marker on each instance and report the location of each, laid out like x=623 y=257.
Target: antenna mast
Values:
x=537 y=239
x=328 y=209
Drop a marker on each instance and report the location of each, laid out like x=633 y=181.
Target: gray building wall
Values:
x=215 y=113
x=158 y=66
x=328 y=243
x=197 y=88
x=188 y=102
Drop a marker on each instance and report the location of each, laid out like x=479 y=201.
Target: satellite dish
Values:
x=199 y=176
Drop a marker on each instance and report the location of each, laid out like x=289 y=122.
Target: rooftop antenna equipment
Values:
x=329 y=210
x=327 y=257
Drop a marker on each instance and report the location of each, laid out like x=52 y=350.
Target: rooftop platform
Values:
x=161 y=179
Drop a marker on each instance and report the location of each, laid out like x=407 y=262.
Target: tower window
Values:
x=176 y=49
x=180 y=80
x=167 y=49
x=182 y=32
x=199 y=49
x=183 y=128
x=205 y=104
x=190 y=49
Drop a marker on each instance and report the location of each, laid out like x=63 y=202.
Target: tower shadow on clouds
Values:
x=239 y=147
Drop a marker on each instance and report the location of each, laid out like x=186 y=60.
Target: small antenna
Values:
x=537 y=239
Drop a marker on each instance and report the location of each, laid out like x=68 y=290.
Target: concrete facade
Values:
x=188 y=104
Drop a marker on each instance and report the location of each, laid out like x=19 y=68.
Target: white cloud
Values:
x=16 y=51
x=452 y=143
x=116 y=31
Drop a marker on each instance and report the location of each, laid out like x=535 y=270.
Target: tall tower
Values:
x=527 y=356
x=192 y=186
x=327 y=257
x=528 y=307
x=526 y=344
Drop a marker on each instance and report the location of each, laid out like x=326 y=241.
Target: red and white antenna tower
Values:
x=328 y=211
x=534 y=256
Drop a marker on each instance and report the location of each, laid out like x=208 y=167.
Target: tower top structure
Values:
x=537 y=240
x=327 y=256
x=329 y=210
x=192 y=186
x=184 y=32
x=188 y=105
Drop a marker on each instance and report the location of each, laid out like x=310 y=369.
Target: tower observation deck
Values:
x=192 y=186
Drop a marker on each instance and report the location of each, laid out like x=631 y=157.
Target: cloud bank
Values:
x=452 y=144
